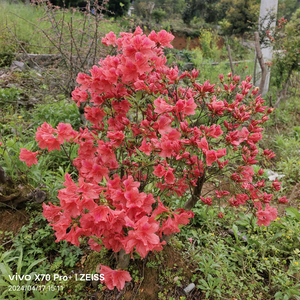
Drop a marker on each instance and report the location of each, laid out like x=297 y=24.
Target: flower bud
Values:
x=220 y=215
x=236 y=78
x=255 y=91
x=283 y=200
x=184 y=126
x=260 y=172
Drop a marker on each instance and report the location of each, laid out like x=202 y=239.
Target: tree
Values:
x=118 y=8
x=240 y=15
x=206 y=9
x=287 y=7
x=66 y=3
x=286 y=58
x=158 y=15
x=170 y=7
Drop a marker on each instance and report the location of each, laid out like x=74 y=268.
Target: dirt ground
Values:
x=181 y=42
x=11 y=221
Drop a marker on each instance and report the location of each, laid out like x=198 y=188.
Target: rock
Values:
x=188 y=66
x=37 y=195
x=40 y=195
x=243 y=238
x=95 y=284
x=18 y=66
x=189 y=288
x=38 y=71
x=3 y=177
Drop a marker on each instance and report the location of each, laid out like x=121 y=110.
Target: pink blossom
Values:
x=114 y=278
x=28 y=156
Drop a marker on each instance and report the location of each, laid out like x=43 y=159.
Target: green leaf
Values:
x=33 y=264
x=293 y=212
x=20 y=260
x=3 y=283
x=5 y=269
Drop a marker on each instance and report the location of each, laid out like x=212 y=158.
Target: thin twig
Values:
x=24 y=50
x=14 y=209
x=141 y=279
x=67 y=154
x=45 y=33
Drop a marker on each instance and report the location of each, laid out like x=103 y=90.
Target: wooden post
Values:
x=230 y=59
x=261 y=62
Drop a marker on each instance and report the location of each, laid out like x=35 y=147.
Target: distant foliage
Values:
x=158 y=15
x=287 y=7
x=66 y=3
x=118 y=7
x=170 y=7
x=286 y=43
x=207 y=10
x=240 y=15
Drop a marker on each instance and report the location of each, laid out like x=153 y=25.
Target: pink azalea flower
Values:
x=29 y=157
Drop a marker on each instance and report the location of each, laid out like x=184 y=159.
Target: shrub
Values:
x=286 y=58
x=209 y=47
x=155 y=137
x=158 y=15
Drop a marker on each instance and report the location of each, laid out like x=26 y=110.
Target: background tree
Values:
x=158 y=15
x=208 y=10
x=287 y=53
x=240 y=15
x=118 y=8
x=66 y=3
x=170 y=7
x=287 y=7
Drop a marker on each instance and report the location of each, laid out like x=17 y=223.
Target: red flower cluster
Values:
x=153 y=140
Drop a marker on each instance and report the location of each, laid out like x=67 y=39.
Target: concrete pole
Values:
x=267 y=7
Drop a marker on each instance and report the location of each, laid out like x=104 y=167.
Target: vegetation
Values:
x=223 y=250
x=117 y=8
x=25 y=26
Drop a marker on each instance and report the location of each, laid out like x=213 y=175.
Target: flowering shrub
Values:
x=285 y=40
x=155 y=135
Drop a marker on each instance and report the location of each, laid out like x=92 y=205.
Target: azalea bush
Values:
x=154 y=136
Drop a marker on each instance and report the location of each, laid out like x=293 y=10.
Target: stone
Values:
x=40 y=196
x=3 y=177
x=18 y=66
x=188 y=66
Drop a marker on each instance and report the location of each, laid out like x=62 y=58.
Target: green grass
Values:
x=19 y=20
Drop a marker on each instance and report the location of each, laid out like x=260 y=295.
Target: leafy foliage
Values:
x=117 y=8
x=207 y=10
x=240 y=15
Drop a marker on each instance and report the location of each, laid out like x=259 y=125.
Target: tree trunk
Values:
x=123 y=259
x=197 y=192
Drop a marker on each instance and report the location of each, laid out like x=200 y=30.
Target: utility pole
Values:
x=267 y=7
